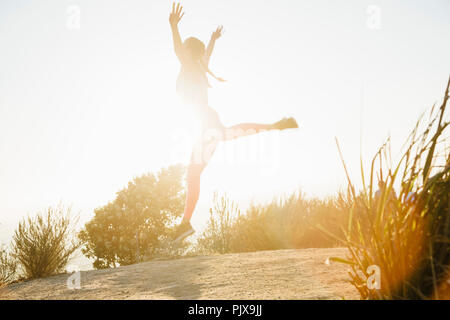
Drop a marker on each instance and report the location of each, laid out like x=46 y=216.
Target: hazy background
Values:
x=84 y=110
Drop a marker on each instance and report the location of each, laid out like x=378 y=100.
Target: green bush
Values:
x=43 y=245
x=134 y=226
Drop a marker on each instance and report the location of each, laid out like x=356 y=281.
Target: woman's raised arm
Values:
x=209 y=50
x=174 y=19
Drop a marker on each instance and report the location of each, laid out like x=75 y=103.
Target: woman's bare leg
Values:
x=197 y=166
x=245 y=129
x=193 y=190
x=200 y=158
x=206 y=150
x=248 y=129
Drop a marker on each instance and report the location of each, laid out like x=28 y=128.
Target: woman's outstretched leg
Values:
x=247 y=129
x=203 y=152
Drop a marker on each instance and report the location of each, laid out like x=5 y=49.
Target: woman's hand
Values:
x=176 y=15
x=217 y=34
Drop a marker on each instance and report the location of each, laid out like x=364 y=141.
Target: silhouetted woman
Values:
x=192 y=86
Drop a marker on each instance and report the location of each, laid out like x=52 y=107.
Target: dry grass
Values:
x=406 y=235
x=42 y=245
x=8 y=267
x=289 y=223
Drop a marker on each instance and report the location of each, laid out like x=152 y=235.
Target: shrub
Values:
x=218 y=235
x=8 y=267
x=134 y=226
x=406 y=235
x=288 y=223
x=43 y=245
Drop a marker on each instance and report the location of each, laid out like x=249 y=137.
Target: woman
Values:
x=192 y=86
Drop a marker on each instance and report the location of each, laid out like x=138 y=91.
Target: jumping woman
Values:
x=192 y=86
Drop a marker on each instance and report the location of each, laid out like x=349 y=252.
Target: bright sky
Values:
x=83 y=110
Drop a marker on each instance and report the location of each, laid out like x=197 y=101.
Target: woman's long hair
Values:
x=196 y=49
